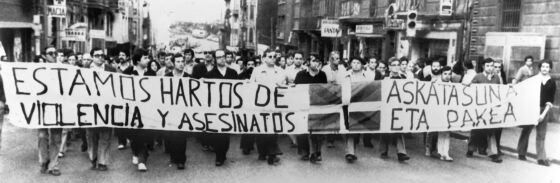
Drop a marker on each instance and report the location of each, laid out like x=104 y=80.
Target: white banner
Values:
x=55 y=96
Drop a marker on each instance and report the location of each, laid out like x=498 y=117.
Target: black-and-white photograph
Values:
x=280 y=91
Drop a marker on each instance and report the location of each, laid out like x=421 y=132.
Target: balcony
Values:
x=101 y=4
x=309 y=23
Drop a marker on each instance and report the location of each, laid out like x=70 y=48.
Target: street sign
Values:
x=57 y=11
x=446 y=7
x=330 y=28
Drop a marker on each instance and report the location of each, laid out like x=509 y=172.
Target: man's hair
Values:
x=393 y=59
x=160 y=54
x=528 y=57
x=138 y=53
x=445 y=68
x=487 y=60
x=403 y=58
x=298 y=52
x=357 y=58
x=228 y=53
x=94 y=50
x=176 y=55
x=549 y=62
x=268 y=51
x=189 y=51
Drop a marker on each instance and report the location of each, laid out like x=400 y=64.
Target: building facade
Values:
x=16 y=30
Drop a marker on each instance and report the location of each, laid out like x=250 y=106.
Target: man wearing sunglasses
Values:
x=267 y=144
x=49 y=139
x=50 y=56
x=99 y=139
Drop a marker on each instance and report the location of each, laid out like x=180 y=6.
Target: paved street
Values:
x=18 y=160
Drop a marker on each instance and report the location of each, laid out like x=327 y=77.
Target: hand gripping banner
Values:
x=62 y=96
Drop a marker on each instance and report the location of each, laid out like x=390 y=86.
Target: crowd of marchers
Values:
x=284 y=70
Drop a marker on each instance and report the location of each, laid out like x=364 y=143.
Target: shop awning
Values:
x=15 y=24
x=370 y=35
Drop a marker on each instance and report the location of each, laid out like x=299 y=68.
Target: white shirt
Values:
x=265 y=74
x=235 y=67
x=139 y=70
x=332 y=75
x=95 y=67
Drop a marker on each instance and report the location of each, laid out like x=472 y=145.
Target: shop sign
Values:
x=57 y=11
x=446 y=7
x=364 y=29
x=75 y=34
x=395 y=24
x=330 y=28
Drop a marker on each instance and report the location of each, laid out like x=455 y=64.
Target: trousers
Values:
x=49 y=146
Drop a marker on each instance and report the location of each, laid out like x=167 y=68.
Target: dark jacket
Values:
x=199 y=70
x=130 y=71
x=215 y=74
x=170 y=74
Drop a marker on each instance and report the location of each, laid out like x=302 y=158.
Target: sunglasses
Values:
x=98 y=55
x=50 y=53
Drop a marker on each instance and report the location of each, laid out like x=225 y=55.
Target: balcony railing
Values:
x=309 y=23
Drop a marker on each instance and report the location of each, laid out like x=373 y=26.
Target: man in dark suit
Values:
x=140 y=138
x=99 y=138
x=220 y=141
x=199 y=71
x=176 y=141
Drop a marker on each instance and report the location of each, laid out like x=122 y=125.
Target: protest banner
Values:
x=63 y=96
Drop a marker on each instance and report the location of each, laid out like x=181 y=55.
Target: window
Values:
x=252 y=12
x=250 y=35
x=511 y=15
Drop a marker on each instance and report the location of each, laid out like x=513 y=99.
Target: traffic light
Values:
x=411 y=23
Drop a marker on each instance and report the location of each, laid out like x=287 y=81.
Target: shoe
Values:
x=522 y=157
x=350 y=158
x=484 y=153
x=134 y=160
x=180 y=166
x=262 y=157
x=446 y=158
x=384 y=155
x=142 y=167
x=84 y=147
x=44 y=167
x=219 y=163
x=435 y=155
x=469 y=154
x=246 y=151
x=313 y=158
x=304 y=158
x=102 y=167
x=121 y=147
x=272 y=159
x=402 y=157
x=61 y=155
x=54 y=172
x=495 y=158
x=93 y=164
x=543 y=162
x=330 y=144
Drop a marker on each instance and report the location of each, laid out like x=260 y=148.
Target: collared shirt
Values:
x=334 y=74
x=265 y=74
x=163 y=71
x=357 y=77
x=140 y=71
x=223 y=70
x=235 y=67
x=524 y=73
